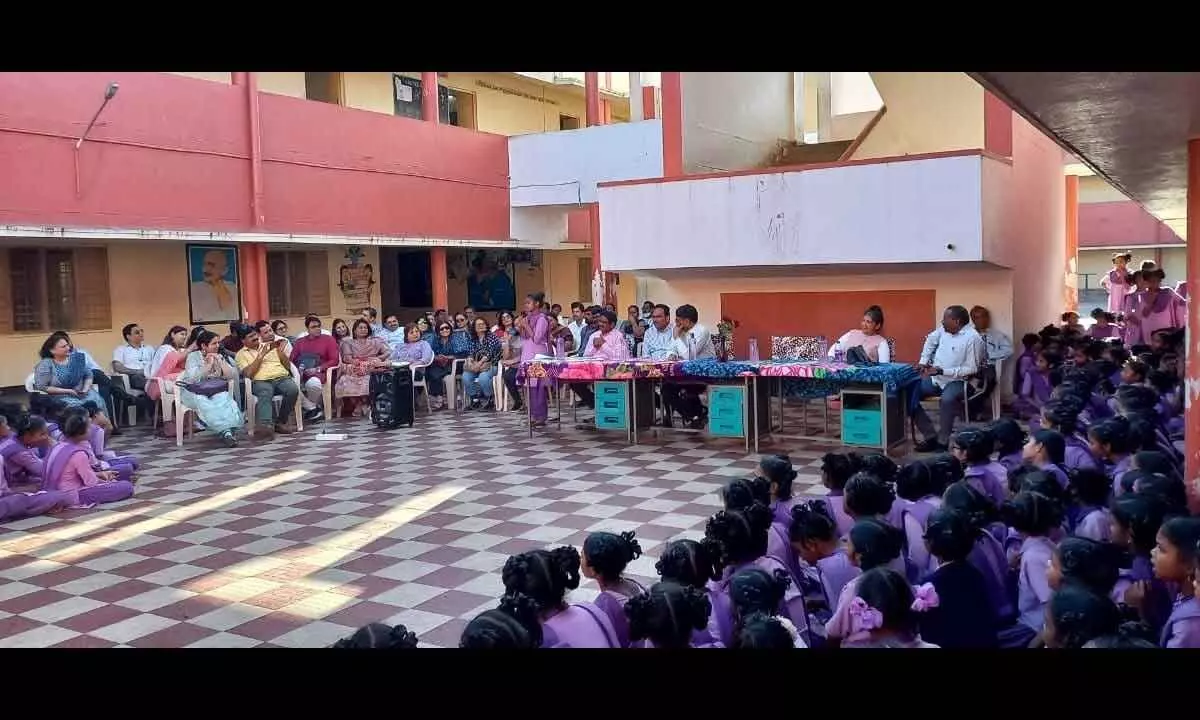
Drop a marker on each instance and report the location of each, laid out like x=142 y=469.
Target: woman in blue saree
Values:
x=63 y=374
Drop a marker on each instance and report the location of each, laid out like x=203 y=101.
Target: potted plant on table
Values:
x=723 y=342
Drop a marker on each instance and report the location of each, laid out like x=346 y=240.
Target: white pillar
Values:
x=824 y=106
x=797 y=129
x=636 y=113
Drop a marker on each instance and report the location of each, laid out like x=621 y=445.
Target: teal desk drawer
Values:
x=607 y=420
x=723 y=396
x=861 y=427
x=726 y=427
x=607 y=390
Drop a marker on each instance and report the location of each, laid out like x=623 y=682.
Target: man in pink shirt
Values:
x=314 y=354
x=607 y=343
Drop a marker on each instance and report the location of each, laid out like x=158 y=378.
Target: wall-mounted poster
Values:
x=213 y=283
x=356 y=278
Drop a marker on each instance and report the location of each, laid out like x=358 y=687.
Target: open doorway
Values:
x=566 y=122
x=324 y=87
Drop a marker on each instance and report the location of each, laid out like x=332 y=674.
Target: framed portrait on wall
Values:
x=213 y=287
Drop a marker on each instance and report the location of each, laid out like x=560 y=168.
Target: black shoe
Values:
x=476 y=404
x=929 y=446
x=518 y=406
x=313 y=415
x=489 y=406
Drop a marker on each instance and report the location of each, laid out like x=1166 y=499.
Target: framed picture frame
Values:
x=214 y=284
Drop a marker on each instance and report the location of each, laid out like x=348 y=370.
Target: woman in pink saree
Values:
x=361 y=353
x=170 y=359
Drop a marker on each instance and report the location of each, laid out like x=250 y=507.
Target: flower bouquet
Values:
x=723 y=342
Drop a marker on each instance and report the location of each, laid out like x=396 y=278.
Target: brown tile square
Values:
x=176 y=636
x=32 y=601
x=86 y=642
x=368 y=564
x=121 y=591
x=162 y=547
x=177 y=529
x=515 y=546
x=222 y=560
x=657 y=532
x=449 y=577
x=442 y=537
x=236 y=540
x=639 y=516
x=439 y=520
x=312 y=517
x=253 y=509
x=192 y=607
x=453 y=602
x=95 y=619
x=280 y=598
x=12 y=561
x=142 y=567
x=362 y=613
x=555 y=494
x=445 y=555
x=678 y=496
x=366 y=586
x=241 y=525
x=502 y=513
x=55 y=578
x=291 y=571
x=304 y=534
x=624 y=500
x=446 y=635
x=16 y=625
x=314 y=504
x=509 y=529
x=270 y=626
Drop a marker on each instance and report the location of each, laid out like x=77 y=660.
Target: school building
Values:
x=786 y=202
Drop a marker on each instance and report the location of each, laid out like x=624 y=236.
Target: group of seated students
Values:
x=997 y=543
x=49 y=466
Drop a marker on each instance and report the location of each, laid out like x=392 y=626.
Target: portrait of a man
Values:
x=213 y=283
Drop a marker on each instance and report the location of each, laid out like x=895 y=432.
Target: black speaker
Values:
x=392 y=397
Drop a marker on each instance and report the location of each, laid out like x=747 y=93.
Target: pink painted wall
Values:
x=1123 y=224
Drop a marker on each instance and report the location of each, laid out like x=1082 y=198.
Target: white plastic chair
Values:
x=166 y=389
x=182 y=423
x=252 y=401
x=331 y=410
x=131 y=411
x=422 y=385
x=455 y=388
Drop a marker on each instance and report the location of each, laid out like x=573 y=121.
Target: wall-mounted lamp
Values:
x=109 y=93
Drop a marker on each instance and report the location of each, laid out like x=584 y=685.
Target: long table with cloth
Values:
x=744 y=409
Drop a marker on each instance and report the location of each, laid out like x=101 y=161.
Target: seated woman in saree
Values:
x=124 y=465
x=69 y=469
x=361 y=354
x=416 y=351
x=204 y=388
x=168 y=361
x=63 y=374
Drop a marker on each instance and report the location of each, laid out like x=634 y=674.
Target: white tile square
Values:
x=85 y=585
x=405 y=549
x=489 y=585
x=659 y=505
x=676 y=521
x=266 y=546
x=538 y=517
x=226 y=640
x=548 y=533
x=418 y=621
x=31 y=569
x=229 y=616
x=188 y=554
x=111 y=561
x=10 y=590
x=272 y=529
x=599 y=511
x=587 y=498
x=152 y=600
x=315 y=634
x=280 y=514
x=200 y=537
x=529 y=503
x=407 y=570
x=408 y=595
x=63 y=609
x=472 y=524
x=483 y=561
x=477 y=541
x=174 y=574
x=133 y=628
x=38 y=637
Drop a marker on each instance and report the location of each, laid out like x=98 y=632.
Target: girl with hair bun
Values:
x=15 y=504
x=70 y=468
x=738 y=539
x=545 y=576
x=779 y=474
x=1136 y=519
x=919 y=490
x=1080 y=561
x=836 y=471
x=886 y=611
x=378 y=636
x=24 y=450
x=1087 y=515
x=1076 y=616
x=1033 y=516
x=765 y=632
x=1109 y=441
x=814 y=538
x=987 y=555
x=513 y=624
x=1062 y=416
x=741 y=493
x=1010 y=442
x=690 y=563
x=668 y=616
x=872 y=543
x=605 y=557
x=973 y=447
x=965 y=616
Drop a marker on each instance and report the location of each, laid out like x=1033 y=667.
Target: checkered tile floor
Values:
x=297 y=542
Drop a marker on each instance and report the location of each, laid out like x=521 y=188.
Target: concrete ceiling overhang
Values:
x=1130 y=128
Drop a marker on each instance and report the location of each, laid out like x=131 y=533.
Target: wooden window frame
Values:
x=76 y=297
x=314 y=296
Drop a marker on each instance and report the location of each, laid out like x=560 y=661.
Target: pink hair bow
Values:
x=863 y=617
x=924 y=597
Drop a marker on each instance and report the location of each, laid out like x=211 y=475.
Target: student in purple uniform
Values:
x=836 y=471
x=668 y=616
x=514 y=624
x=545 y=576
x=1046 y=450
x=1079 y=561
x=1104 y=327
x=1175 y=556
x=1136 y=519
x=920 y=493
x=778 y=471
x=965 y=616
x=1168 y=488
x=740 y=494
x=871 y=543
x=102 y=460
x=827 y=566
x=869 y=496
x=1077 y=616
x=973 y=447
x=1027 y=360
x=739 y=540
x=690 y=563
x=765 y=632
x=1149 y=462
x=753 y=591
x=1010 y=442
x=887 y=610
x=69 y=468
x=1087 y=513
x=1110 y=442
x=23 y=451
x=1036 y=386
x=378 y=636
x=1061 y=416
x=604 y=559
x=1033 y=516
x=987 y=555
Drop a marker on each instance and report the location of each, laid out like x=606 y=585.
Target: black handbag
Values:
x=858 y=356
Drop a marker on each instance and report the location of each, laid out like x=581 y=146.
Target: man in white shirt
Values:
x=952 y=354
x=134 y=357
x=999 y=348
x=692 y=341
x=660 y=334
x=577 y=324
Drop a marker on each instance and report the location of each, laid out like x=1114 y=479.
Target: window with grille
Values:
x=58 y=289
x=297 y=283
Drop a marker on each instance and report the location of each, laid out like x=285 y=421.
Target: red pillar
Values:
x=1071 y=275
x=429 y=96
x=591 y=97
x=439 y=278
x=649 y=103
x=672 y=124
x=252 y=278
x=1192 y=380
x=254 y=122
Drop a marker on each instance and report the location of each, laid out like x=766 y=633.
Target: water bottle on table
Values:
x=822 y=349
x=753 y=349
x=559 y=348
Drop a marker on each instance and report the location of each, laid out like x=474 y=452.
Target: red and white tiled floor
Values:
x=297 y=542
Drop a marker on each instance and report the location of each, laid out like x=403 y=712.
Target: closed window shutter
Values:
x=93 y=310
x=297 y=283
x=317 y=265
x=6 y=294
x=277 y=283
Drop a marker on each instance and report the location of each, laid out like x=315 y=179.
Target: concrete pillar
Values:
x=439 y=278
x=635 y=97
x=1192 y=379
x=1070 y=272
x=591 y=96
x=429 y=97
